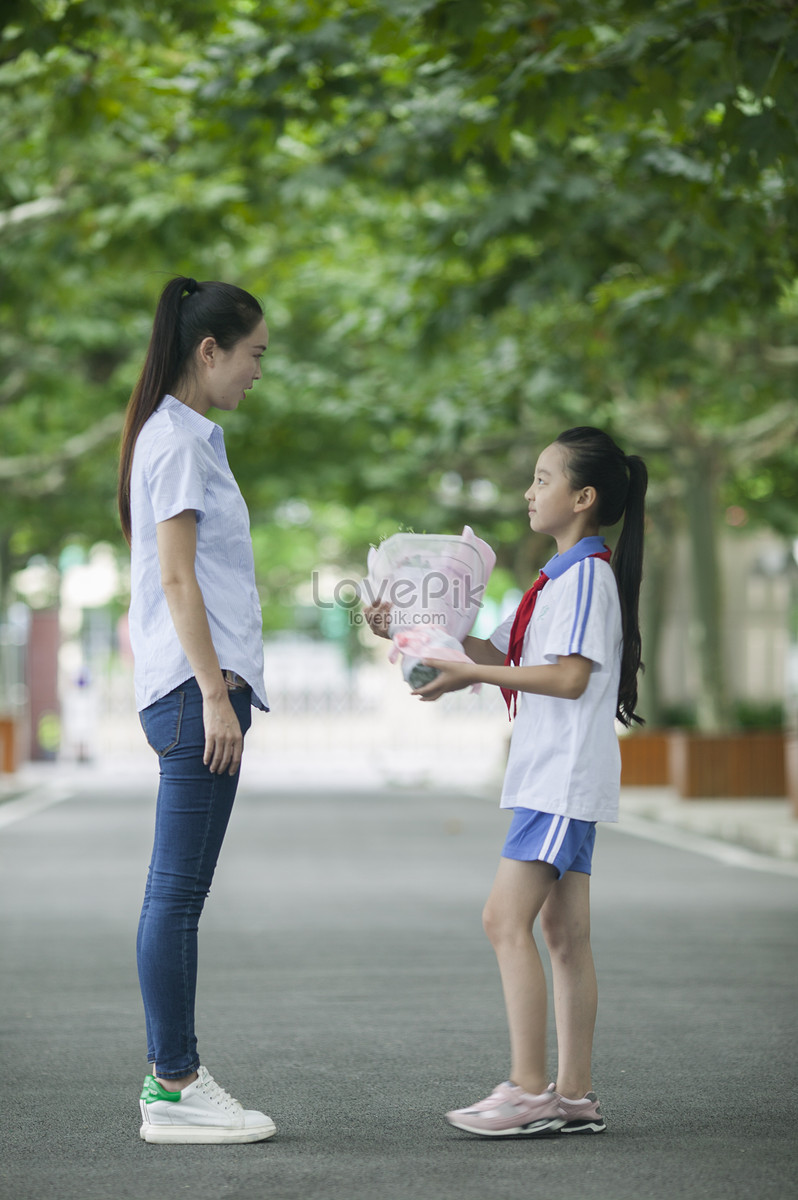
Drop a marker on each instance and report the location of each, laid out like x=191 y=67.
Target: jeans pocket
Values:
x=241 y=700
x=161 y=722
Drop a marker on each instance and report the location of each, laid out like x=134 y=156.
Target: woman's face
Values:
x=231 y=373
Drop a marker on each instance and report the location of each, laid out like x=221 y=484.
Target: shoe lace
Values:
x=214 y=1091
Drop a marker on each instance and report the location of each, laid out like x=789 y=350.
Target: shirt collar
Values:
x=189 y=417
x=561 y=562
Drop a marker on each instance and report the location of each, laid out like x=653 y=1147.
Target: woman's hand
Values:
x=378 y=618
x=224 y=741
x=453 y=677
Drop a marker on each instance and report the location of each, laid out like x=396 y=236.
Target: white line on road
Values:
x=33 y=802
x=725 y=852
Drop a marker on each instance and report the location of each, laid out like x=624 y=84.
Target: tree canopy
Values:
x=471 y=223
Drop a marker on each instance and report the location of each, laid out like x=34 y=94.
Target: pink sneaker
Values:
x=582 y=1116
x=512 y=1112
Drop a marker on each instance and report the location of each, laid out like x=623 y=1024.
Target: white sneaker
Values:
x=202 y=1112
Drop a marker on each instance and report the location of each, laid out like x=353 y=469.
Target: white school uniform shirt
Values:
x=179 y=463
x=564 y=754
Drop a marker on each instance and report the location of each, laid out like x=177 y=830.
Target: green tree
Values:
x=638 y=159
x=471 y=224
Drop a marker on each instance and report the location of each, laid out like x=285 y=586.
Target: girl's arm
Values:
x=177 y=548
x=483 y=651
x=565 y=679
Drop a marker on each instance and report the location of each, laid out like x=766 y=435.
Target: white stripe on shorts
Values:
x=548 y=852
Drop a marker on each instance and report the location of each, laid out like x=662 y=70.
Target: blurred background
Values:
x=471 y=224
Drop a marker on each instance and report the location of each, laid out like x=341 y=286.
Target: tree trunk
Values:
x=5 y=587
x=706 y=632
x=653 y=602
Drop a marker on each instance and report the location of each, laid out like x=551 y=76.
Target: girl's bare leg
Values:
x=518 y=894
x=565 y=921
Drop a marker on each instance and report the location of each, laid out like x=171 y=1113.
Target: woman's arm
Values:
x=177 y=548
x=378 y=618
x=565 y=679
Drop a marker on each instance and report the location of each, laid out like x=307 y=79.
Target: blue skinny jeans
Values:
x=191 y=819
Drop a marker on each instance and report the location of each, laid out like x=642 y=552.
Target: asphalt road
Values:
x=347 y=989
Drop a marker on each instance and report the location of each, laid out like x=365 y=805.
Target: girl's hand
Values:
x=378 y=618
x=453 y=677
x=224 y=741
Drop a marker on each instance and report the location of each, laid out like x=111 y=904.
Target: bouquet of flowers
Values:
x=434 y=584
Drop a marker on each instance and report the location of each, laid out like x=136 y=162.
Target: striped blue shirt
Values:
x=180 y=463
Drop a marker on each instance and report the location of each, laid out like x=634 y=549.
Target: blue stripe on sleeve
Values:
x=591 y=570
x=580 y=627
x=580 y=569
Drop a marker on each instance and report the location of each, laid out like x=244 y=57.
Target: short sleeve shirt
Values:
x=564 y=755
x=180 y=464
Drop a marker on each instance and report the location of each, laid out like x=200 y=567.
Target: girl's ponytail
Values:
x=187 y=312
x=594 y=460
x=627 y=562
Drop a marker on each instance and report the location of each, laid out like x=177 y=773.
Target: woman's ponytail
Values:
x=594 y=460
x=158 y=372
x=187 y=312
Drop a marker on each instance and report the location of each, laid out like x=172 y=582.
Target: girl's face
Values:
x=555 y=507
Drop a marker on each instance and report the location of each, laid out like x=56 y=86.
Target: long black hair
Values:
x=592 y=459
x=187 y=313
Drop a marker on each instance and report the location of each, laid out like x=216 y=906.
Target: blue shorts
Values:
x=564 y=842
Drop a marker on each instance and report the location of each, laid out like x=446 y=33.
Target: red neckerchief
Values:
x=523 y=616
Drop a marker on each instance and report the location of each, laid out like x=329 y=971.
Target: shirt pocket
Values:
x=162 y=720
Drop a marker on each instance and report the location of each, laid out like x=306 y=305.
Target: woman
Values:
x=195 y=628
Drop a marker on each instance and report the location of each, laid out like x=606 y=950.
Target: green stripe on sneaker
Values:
x=153 y=1091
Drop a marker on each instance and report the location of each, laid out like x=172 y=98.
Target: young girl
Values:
x=568 y=661
x=195 y=628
